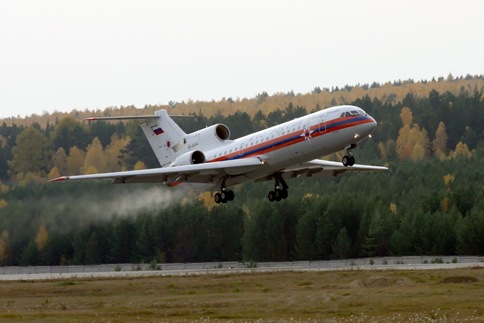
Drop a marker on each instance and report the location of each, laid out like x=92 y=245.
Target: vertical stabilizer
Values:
x=165 y=137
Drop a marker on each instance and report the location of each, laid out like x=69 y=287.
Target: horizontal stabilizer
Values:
x=141 y=117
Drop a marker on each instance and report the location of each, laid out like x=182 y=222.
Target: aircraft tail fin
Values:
x=165 y=137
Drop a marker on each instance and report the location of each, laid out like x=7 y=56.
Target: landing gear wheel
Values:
x=284 y=194
x=348 y=161
x=230 y=195
x=280 y=191
x=277 y=195
x=217 y=198
x=271 y=196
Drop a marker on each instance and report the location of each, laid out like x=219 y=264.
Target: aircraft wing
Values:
x=320 y=167
x=198 y=173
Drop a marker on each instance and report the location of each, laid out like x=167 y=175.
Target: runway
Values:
x=194 y=269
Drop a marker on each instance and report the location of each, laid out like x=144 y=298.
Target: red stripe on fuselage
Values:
x=283 y=142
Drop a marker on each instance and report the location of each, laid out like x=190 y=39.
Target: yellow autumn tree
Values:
x=445 y=204
x=59 y=160
x=41 y=238
x=3 y=246
x=113 y=151
x=54 y=173
x=207 y=199
x=383 y=150
x=439 y=144
x=449 y=179
x=95 y=157
x=461 y=150
x=139 y=165
x=406 y=115
x=412 y=142
x=393 y=208
x=75 y=161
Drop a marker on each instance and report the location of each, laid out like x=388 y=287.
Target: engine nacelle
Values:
x=190 y=158
x=208 y=136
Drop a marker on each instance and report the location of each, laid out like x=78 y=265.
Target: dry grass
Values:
x=341 y=296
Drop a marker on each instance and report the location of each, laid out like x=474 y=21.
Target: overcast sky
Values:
x=64 y=55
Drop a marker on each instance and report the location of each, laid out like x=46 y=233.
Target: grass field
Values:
x=340 y=296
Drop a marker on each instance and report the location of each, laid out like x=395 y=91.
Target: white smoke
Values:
x=75 y=211
x=133 y=202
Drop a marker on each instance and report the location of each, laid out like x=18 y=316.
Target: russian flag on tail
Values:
x=157 y=130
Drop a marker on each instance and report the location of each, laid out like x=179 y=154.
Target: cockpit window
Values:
x=352 y=113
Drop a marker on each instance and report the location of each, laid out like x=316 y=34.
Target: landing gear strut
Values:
x=349 y=159
x=280 y=191
x=225 y=195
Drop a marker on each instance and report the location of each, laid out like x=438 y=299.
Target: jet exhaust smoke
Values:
x=73 y=211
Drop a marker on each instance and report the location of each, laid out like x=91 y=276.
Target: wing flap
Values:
x=320 y=167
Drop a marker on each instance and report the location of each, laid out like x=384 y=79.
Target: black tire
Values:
x=271 y=196
x=217 y=198
x=352 y=161
x=223 y=195
x=346 y=161
x=230 y=195
x=278 y=195
x=284 y=194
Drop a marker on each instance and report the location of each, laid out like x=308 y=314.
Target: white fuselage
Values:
x=300 y=140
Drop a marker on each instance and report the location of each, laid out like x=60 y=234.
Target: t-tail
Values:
x=166 y=138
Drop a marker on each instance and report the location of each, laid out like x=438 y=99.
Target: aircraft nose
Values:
x=373 y=122
x=370 y=126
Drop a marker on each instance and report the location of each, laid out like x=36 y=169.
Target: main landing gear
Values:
x=224 y=196
x=349 y=159
x=280 y=191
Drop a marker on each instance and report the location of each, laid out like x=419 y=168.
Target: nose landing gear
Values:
x=349 y=159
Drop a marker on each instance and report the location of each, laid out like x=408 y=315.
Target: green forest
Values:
x=430 y=202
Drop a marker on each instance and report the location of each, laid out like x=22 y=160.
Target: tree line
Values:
x=429 y=202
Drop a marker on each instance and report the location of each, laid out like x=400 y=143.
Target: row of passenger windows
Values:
x=241 y=147
x=251 y=143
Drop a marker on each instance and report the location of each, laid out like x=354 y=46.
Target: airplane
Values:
x=208 y=160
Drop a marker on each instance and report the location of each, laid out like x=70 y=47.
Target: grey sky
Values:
x=64 y=55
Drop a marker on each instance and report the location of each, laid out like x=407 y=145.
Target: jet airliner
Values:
x=208 y=160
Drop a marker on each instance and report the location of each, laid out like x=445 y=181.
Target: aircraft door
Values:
x=322 y=123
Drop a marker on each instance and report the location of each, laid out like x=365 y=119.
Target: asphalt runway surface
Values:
x=214 y=271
